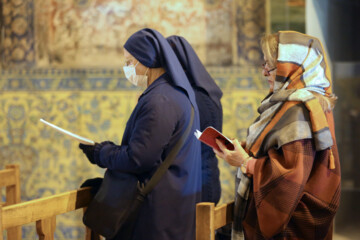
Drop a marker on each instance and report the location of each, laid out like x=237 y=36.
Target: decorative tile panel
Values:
x=95 y=103
x=18 y=34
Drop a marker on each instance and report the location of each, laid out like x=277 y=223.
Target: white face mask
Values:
x=137 y=80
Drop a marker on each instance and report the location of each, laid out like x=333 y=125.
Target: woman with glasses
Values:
x=288 y=178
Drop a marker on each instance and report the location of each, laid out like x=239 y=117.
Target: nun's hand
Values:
x=236 y=157
x=88 y=150
x=94 y=183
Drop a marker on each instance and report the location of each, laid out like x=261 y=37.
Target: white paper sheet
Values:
x=73 y=135
x=197 y=134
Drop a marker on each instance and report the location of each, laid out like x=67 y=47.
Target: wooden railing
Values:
x=43 y=212
x=209 y=218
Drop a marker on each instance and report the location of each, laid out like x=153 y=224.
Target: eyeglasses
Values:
x=267 y=71
x=130 y=62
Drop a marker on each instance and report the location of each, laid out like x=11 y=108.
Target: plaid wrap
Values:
x=301 y=70
x=294 y=142
x=294 y=195
x=242 y=186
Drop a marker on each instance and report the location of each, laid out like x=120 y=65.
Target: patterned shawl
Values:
x=301 y=70
x=291 y=112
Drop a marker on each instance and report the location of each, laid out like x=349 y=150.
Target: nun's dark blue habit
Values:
x=208 y=96
x=156 y=124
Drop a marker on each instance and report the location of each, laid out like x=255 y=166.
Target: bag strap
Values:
x=168 y=160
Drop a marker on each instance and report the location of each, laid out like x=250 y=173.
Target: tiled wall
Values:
x=94 y=103
x=61 y=61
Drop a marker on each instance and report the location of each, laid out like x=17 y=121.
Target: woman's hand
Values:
x=236 y=157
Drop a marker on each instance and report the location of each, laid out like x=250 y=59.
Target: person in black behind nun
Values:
x=155 y=125
x=208 y=96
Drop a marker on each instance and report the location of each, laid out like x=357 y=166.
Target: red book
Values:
x=209 y=135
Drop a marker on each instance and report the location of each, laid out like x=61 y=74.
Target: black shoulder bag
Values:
x=114 y=209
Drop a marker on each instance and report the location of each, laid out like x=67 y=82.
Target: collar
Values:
x=160 y=80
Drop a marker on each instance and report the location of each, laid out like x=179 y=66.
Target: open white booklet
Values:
x=73 y=135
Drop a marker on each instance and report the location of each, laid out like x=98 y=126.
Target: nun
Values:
x=208 y=96
x=156 y=124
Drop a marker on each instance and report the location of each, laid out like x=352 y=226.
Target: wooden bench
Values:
x=43 y=211
x=209 y=218
x=10 y=179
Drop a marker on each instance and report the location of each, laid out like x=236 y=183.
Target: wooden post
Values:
x=12 y=197
x=45 y=228
x=13 y=191
x=205 y=221
x=1 y=225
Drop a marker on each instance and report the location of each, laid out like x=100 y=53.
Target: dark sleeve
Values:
x=152 y=131
x=210 y=113
x=278 y=184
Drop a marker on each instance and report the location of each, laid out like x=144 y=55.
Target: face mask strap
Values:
x=146 y=71
x=135 y=68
